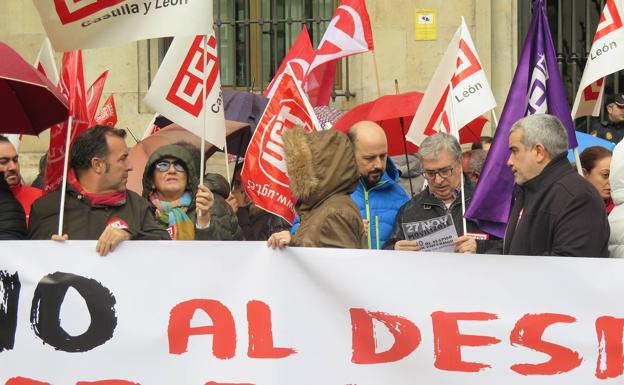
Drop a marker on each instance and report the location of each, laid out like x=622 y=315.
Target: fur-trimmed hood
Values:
x=320 y=164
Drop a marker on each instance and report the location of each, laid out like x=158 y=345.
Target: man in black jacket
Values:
x=12 y=218
x=555 y=211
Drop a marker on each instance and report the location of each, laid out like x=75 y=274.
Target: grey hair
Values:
x=477 y=159
x=431 y=147
x=545 y=129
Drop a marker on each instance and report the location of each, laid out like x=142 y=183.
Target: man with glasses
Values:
x=441 y=162
x=613 y=128
x=97 y=203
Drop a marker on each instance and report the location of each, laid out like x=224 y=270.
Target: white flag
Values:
x=77 y=24
x=177 y=90
x=46 y=64
x=606 y=56
x=457 y=94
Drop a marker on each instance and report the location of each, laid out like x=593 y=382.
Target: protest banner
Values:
x=264 y=172
x=177 y=91
x=191 y=313
x=606 y=56
x=78 y=24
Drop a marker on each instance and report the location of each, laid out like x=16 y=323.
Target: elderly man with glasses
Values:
x=441 y=162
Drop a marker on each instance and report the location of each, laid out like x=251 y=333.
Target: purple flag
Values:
x=536 y=88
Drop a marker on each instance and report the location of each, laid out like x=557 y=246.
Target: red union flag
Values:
x=457 y=94
x=264 y=172
x=108 y=114
x=177 y=91
x=606 y=56
x=78 y=24
x=94 y=94
x=349 y=32
x=299 y=57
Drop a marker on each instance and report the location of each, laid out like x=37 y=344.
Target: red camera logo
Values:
x=186 y=91
x=74 y=10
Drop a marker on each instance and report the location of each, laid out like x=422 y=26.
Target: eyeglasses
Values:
x=163 y=165
x=443 y=172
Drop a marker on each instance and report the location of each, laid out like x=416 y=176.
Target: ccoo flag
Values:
x=606 y=56
x=76 y=24
x=536 y=88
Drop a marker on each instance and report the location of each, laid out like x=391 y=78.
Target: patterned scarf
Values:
x=173 y=215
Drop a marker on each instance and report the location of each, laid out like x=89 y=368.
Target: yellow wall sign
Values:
x=426 y=24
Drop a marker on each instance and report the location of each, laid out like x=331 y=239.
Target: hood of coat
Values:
x=616 y=175
x=320 y=164
x=217 y=184
x=173 y=151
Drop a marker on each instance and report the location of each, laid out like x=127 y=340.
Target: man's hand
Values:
x=407 y=245
x=60 y=238
x=279 y=240
x=203 y=202
x=233 y=202
x=465 y=244
x=109 y=240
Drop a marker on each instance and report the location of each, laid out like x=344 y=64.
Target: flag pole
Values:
x=64 y=178
x=376 y=74
x=202 y=146
x=227 y=163
x=409 y=174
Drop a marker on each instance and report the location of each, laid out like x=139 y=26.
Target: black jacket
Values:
x=426 y=206
x=12 y=218
x=557 y=213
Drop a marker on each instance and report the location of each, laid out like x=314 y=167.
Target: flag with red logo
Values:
x=349 y=32
x=78 y=24
x=73 y=86
x=299 y=57
x=264 y=172
x=457 y=94
x=94 y=93
x=46 y=64
x=178 y=89
x=108 y=113
x=606 y=56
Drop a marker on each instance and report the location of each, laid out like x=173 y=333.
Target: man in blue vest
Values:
x=378 y=195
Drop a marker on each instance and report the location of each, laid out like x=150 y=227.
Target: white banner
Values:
x=606 y=56
x=78 y=24
x=177 y=89
x=188 y=313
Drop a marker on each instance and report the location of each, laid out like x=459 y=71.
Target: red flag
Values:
x=299 y=56
x=108 y=114
x=264 y=171
x=72 y=85
x=94 y=93
x=349 y=33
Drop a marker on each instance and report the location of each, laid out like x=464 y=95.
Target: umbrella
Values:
x=393 y=111
x=29 y=103
x=244 y=107
x=238 y=135
x=586 y=140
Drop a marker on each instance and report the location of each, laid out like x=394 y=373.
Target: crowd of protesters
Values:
x=349 y=193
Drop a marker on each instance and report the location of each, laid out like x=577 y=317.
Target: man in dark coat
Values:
x=555 y=211
x=12 y=218
x=97 y=203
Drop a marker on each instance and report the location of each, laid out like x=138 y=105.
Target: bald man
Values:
x=378 y=195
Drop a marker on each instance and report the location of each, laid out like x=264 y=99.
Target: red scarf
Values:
x=610 y=205
x=107 y=199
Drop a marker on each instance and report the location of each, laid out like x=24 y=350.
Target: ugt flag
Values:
x=76 y=24
x=264 y=173
x=536 y=89
x=457 y=94
x=606 y=56
x=177 y=92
